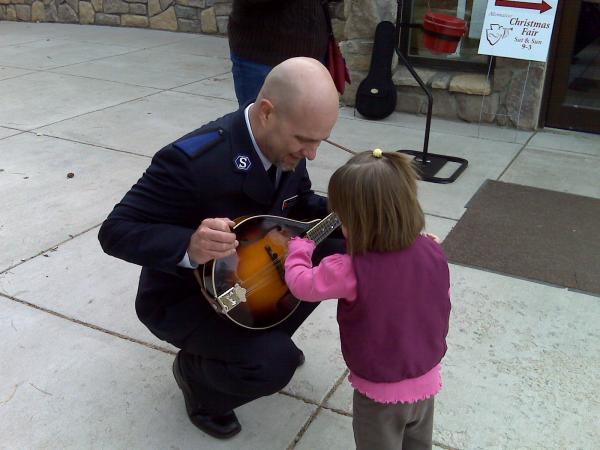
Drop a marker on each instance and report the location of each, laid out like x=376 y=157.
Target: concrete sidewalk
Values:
x=77 y=369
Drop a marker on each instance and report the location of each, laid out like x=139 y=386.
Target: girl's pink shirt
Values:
x=334 y=278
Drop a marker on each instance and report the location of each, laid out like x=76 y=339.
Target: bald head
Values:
x=295 y=110
x=300 y=86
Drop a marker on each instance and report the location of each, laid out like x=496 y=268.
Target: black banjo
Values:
x=376 y=94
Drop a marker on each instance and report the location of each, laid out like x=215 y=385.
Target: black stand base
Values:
x=433 y=164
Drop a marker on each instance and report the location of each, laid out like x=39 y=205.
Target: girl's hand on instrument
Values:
x=212 y=240
x=302 y=239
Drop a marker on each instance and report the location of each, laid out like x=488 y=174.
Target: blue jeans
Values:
x=248 y=78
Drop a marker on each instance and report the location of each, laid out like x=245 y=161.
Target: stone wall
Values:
x=198 y=16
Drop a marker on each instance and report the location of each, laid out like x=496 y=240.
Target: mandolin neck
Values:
x=324 y=228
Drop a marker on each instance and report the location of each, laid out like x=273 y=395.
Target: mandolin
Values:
x=249 y=287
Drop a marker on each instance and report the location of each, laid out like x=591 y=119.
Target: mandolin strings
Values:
x=318 y=233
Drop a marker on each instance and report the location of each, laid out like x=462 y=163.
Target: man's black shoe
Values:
x=301 y=359
x=222 y=426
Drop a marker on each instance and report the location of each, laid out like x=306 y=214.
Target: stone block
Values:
x=402 y=77
x=501 y=78
x=167 y=20
x=185 y=12
x=86 y=13
x=515 y=96
x=66 y=14
x=193 y=3
x=208 y=21
x=362 y=18
x=410 y=100
x=115 y=7
x=338 y=26
x=23 y=12
x=536 y=76
x=164 y=4
x=2 y=12
x=138 y=9
x=153 y=7
x=357 y=53
x=74 y=4
x=524 y=97
x=349 y=96
x=97 y=4
x=441 y=80
x=359 y=46
x=473 y=107
x=502 y=118
x=512 y=63
x=222 y=9
x=189 y=26
x=529 y=115
x=37 y=11
x=471 y=83
x=131 y=20
x=222 y=22
x=357 y=61
x=386 y=10
x=107 y=19
x=11 y=13
x=444 y=105
x=51 y=12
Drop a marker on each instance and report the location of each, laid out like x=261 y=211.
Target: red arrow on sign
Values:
x=542 y=7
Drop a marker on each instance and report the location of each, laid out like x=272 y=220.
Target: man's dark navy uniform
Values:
x=213 y=172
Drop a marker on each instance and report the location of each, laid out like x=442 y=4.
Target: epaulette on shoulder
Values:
x=193 y=146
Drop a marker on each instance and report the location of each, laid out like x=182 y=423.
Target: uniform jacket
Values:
x=211 y=172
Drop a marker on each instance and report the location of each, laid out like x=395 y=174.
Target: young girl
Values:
x=394 y=305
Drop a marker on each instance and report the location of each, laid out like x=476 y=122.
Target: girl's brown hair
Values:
x=376 y=200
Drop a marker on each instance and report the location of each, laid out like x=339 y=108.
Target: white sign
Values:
x=518 y=29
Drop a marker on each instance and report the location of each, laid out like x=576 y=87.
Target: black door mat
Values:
x=530 y=233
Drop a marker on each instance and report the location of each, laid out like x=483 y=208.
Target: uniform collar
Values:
x=256 y=183
x=266 y=163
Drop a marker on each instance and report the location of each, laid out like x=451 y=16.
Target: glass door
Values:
x=574 y=96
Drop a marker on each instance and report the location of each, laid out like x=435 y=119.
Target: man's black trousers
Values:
x=228 y=365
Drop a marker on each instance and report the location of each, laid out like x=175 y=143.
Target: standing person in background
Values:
x=394 y=305
x=263 y=33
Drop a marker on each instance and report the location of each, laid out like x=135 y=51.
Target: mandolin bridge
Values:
x=231 y=298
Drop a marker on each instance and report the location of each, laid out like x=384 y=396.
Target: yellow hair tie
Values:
x=377 y=153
